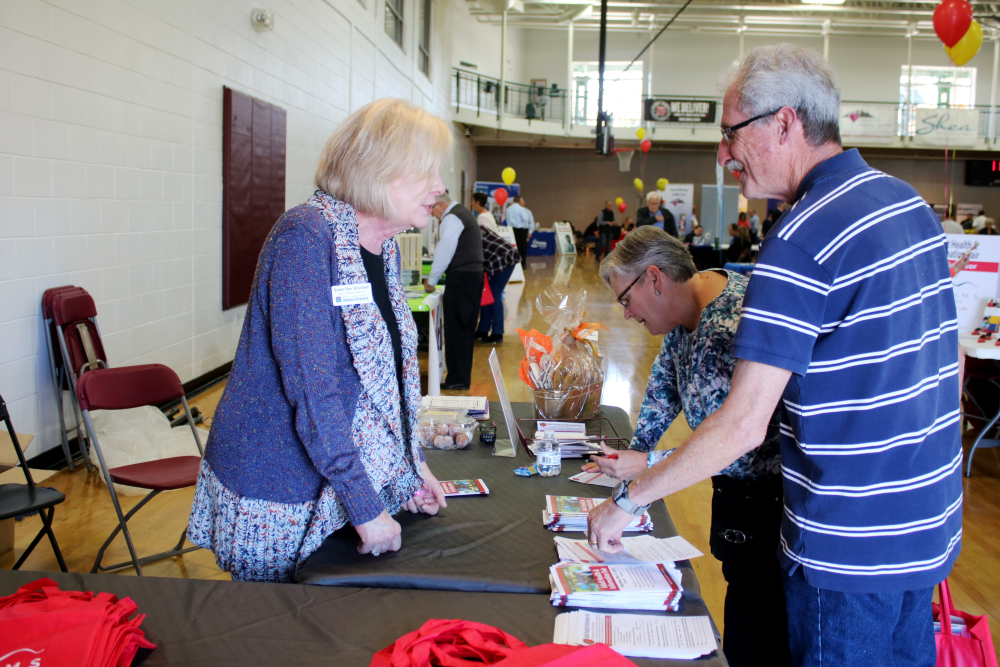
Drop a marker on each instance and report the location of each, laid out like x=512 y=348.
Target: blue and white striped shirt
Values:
x=852 y=293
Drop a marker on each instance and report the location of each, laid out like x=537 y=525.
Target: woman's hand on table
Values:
x=379 y=535
x=429 y=498
x=623 y=464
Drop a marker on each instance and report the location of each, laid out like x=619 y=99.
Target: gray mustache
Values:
x=734 y=165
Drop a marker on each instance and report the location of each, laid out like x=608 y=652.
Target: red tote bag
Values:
x=487 y=299
x=972 y=647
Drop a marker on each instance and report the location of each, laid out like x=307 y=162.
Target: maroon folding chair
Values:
x=133 y=387
x=59 y=374
x=74 y=316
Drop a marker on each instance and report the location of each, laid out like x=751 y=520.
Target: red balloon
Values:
x=647 y=144
x=500 y=195
x=952 y=19
x=622 y=207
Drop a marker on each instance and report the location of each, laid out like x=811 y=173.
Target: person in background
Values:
x=697 y=314
x=739 y=244
x=458 y=256
x=967 y=223
x=772 y=217
x=951 y=227
x=605 y=222
x=655 y=214
x=871 y=450
x=590 y=237
x=754 y=221
x=989 y=228
x=338 y=442
x=694 y=236
x=979 y=221
x=499 y=260
x=522 y=222
x=629 y=226
x=693 y=221
x=483 y=215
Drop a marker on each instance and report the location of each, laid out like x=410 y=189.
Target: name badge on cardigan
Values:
x=349 y=295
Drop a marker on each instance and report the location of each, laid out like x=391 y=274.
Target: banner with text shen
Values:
x=946 y=127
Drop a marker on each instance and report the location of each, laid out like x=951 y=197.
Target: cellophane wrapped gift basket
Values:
x=564 y=367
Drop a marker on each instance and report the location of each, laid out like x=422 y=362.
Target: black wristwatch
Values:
x=620 y=496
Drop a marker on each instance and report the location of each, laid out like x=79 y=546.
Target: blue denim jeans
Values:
x=491 y=316
x=833 y=629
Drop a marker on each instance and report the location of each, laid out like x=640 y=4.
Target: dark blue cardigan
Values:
x=283 y=426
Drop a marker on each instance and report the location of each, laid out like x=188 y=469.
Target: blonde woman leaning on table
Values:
x=317 y=427
x=657 y=283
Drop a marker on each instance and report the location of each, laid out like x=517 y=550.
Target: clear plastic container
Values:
x=548 y=456
x=445 y=429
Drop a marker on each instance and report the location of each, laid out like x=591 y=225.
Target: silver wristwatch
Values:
x=620 y=496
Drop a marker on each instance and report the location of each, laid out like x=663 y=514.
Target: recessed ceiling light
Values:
x=822 y=2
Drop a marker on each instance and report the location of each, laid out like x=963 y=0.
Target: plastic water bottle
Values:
x=549 y=459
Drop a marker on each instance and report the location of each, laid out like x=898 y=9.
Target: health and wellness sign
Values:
x=680 y=111
x=946 y=127
x=977 y=282
x=868 y=123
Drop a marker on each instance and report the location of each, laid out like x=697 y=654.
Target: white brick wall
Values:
x=111 y=163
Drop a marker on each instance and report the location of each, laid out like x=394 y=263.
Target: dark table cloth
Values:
x=214 y=623
x=489 y=555
x=493 y=543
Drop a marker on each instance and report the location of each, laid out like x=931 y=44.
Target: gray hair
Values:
x=648 y=246
x=770 y=77
x=653 y=193
x=443 y=198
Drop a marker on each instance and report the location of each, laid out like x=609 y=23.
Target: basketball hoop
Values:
x=624 y=158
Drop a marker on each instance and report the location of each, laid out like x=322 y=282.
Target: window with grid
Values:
x=939 y=86
x=394 y=20
x=622 y=92
x=424 y=46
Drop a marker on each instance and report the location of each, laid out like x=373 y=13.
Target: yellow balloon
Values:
x=967 y=47
x=638 y=184
x=641 y=133
x=508 y=175
x=619 y=200
x=662 y=184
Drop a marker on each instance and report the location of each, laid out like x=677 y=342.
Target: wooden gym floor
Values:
x=84 y=521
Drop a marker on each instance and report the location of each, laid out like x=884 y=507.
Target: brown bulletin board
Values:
x=253 y=187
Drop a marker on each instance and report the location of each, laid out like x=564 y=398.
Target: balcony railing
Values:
x=472 y=91
x=520 y=100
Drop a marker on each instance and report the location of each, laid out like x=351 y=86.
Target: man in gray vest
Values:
x=459 y=256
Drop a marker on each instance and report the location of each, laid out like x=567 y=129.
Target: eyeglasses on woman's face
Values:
x=729 y=133
x=621 y=297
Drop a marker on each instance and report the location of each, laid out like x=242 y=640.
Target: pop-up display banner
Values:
x=976 y=284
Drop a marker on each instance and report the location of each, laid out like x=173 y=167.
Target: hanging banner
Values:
x=680 y=111
x=868 y=123
x=946 y=127
x=977 y=282
x=678 y=199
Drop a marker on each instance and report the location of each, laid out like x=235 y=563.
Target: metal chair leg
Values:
x=31 y=547
x=47 y=522
x=979 y=438
x=122 y=521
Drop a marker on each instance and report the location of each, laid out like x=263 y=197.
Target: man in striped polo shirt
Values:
x=849 y=321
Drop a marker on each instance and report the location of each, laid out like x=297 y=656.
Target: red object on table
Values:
x=42 y=625
x=457 y=643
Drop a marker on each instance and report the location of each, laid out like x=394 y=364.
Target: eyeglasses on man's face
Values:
x=621 y=297
x=729 y=133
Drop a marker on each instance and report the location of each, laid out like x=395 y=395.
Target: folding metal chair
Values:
x=74 y=316
x=57 y=371
x=132 y=387
x=20 y=499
